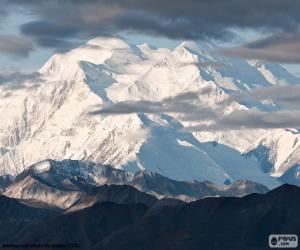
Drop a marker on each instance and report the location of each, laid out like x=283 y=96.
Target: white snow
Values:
x=53 y=121
x=41 y=167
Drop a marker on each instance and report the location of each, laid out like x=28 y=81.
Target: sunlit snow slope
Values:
x=51 y=119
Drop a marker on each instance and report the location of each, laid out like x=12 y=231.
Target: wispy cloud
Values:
x=288 y=97
x=16 y=46
x=186 y=104
x=190 y=108
x=281 y=47
x=252 y=119
x=17 y=79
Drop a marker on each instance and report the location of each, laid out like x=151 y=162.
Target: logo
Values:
x=283 y=241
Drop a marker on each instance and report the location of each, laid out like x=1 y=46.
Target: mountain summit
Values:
x=52 y=118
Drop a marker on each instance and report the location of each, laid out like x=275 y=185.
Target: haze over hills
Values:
x=52 y=117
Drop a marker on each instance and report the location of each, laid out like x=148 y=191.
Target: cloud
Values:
x=59 y=22
x=16 y=79
x=186 y=104
x=281 y=47
x=190 y=108
x=252 y=119
x=63 y=20
x=286 y=97
x=151 y=107
x=190 y=19
x=47 y=29
x=15 y=46
x=59 y=44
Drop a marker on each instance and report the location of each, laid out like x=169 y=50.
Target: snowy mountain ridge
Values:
x=53 y=120
x=69 y=182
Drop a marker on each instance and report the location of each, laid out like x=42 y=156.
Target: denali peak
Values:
x=53 y=120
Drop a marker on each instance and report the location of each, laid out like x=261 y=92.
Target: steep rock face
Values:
x=5 y=181
x=62 y=184
x=51 y=118
x=31 y=188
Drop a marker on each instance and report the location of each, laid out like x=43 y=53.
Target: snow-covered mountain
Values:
x=51 y=118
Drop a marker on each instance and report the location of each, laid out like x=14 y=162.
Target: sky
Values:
x=31 y=31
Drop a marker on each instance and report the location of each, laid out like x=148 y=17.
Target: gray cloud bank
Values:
x=185 y=105
x=281 y=47
x=60 y=20
x=191 y=19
